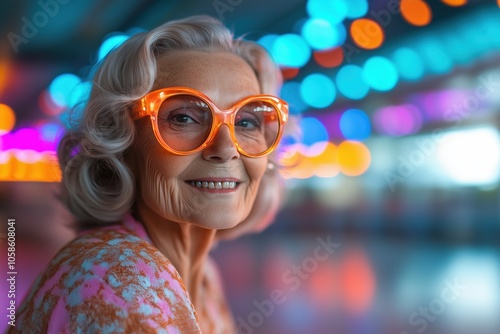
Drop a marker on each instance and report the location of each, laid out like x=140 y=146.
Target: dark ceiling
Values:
x=68 y=41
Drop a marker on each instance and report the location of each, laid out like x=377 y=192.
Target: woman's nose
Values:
x=221 y=148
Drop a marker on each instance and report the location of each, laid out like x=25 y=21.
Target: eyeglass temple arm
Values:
x=141 y=111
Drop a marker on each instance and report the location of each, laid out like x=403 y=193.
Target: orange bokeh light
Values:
x=329 y=58
x=416 y=12
x=367 y=33
x=4 y=73
x=45 y=169
x=354 y=158
x=323 y=285
x=326 y=164
x=289 y=72
x=358 y=283
x=7 y=119
x=455 y=3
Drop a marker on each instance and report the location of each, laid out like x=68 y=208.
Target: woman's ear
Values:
x=265 y=208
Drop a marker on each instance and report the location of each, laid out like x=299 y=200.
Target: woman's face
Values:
x=165 y=180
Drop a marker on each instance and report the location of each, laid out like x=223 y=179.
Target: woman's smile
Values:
x=215 y=185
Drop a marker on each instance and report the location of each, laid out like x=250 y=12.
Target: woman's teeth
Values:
x=213 y=185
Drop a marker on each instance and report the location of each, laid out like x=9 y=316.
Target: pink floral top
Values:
x=113 y=280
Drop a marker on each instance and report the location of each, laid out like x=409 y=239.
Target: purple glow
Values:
x=45 y=139
x=398 y=120
x=436 y=104
x=331 y=121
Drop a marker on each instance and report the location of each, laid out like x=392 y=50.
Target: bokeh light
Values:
x=334 y=11
x=267 y=41
x=367 y=33
x=357 y=281
x=291 y=50
x=289 y=72
x=7 y=119
x=380 y=73
x=4 y=72
x=471 y=156
x=318 y=90
x=61 y=88
x=354 y=158
x=321 y=35
x=326 y=163
x=408 y=63
x=351 y=82
x=110 y=44
x=313 y=131
x=47 y=105
x=416 y=12
x=356 y=8
x=80 y=94
x=397 y=120
x=290 y=92
x=355 y=125
x=454 y=3
x=329 y=58
x=434 y=56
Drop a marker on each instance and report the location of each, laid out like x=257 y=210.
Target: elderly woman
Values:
x=173 y=150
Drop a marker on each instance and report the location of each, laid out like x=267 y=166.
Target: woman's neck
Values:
x=185 y=245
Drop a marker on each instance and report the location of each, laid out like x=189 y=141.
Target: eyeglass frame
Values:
x=150 y=105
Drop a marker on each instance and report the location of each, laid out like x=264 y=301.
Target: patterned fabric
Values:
x=113 y=280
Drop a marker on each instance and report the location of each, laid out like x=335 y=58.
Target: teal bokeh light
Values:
x=290 y=92
x=313 y=131
x=351 y=83
x=408 y=63
x=380 y=73
x=109 y=44
x=355 y=125
x=435 y=58
x=291 y=50
x=61 y=88
x=267 y=41
x=321 y=35
x=317 y=90
x=80 y=94
x=334 y=11
x=356 y=8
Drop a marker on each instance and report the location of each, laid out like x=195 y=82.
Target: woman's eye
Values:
x=247 y=123
x=182 y=119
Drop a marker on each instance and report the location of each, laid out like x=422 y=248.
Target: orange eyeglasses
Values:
x=185 y=121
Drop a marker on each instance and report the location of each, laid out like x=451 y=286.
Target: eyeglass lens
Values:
x=185 y=121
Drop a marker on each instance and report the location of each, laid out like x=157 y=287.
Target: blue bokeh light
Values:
x=291 y=50
x=355 y=125
x=109 y=44
x=380 y=73
x=80 y=94
x=313 y=131
x=290 y=92
x=351 y=83
x=321 y=35
x=408 y=63
x=317 y=90
x=267 y=42
x=334 y=11
x=356 y=8
x=61 y=87
x=51 y=132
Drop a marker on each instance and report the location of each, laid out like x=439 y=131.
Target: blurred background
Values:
x=398 y=166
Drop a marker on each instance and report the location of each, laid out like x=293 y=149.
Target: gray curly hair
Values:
x=98 y=186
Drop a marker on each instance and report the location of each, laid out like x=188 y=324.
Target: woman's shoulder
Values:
x=108 y=280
